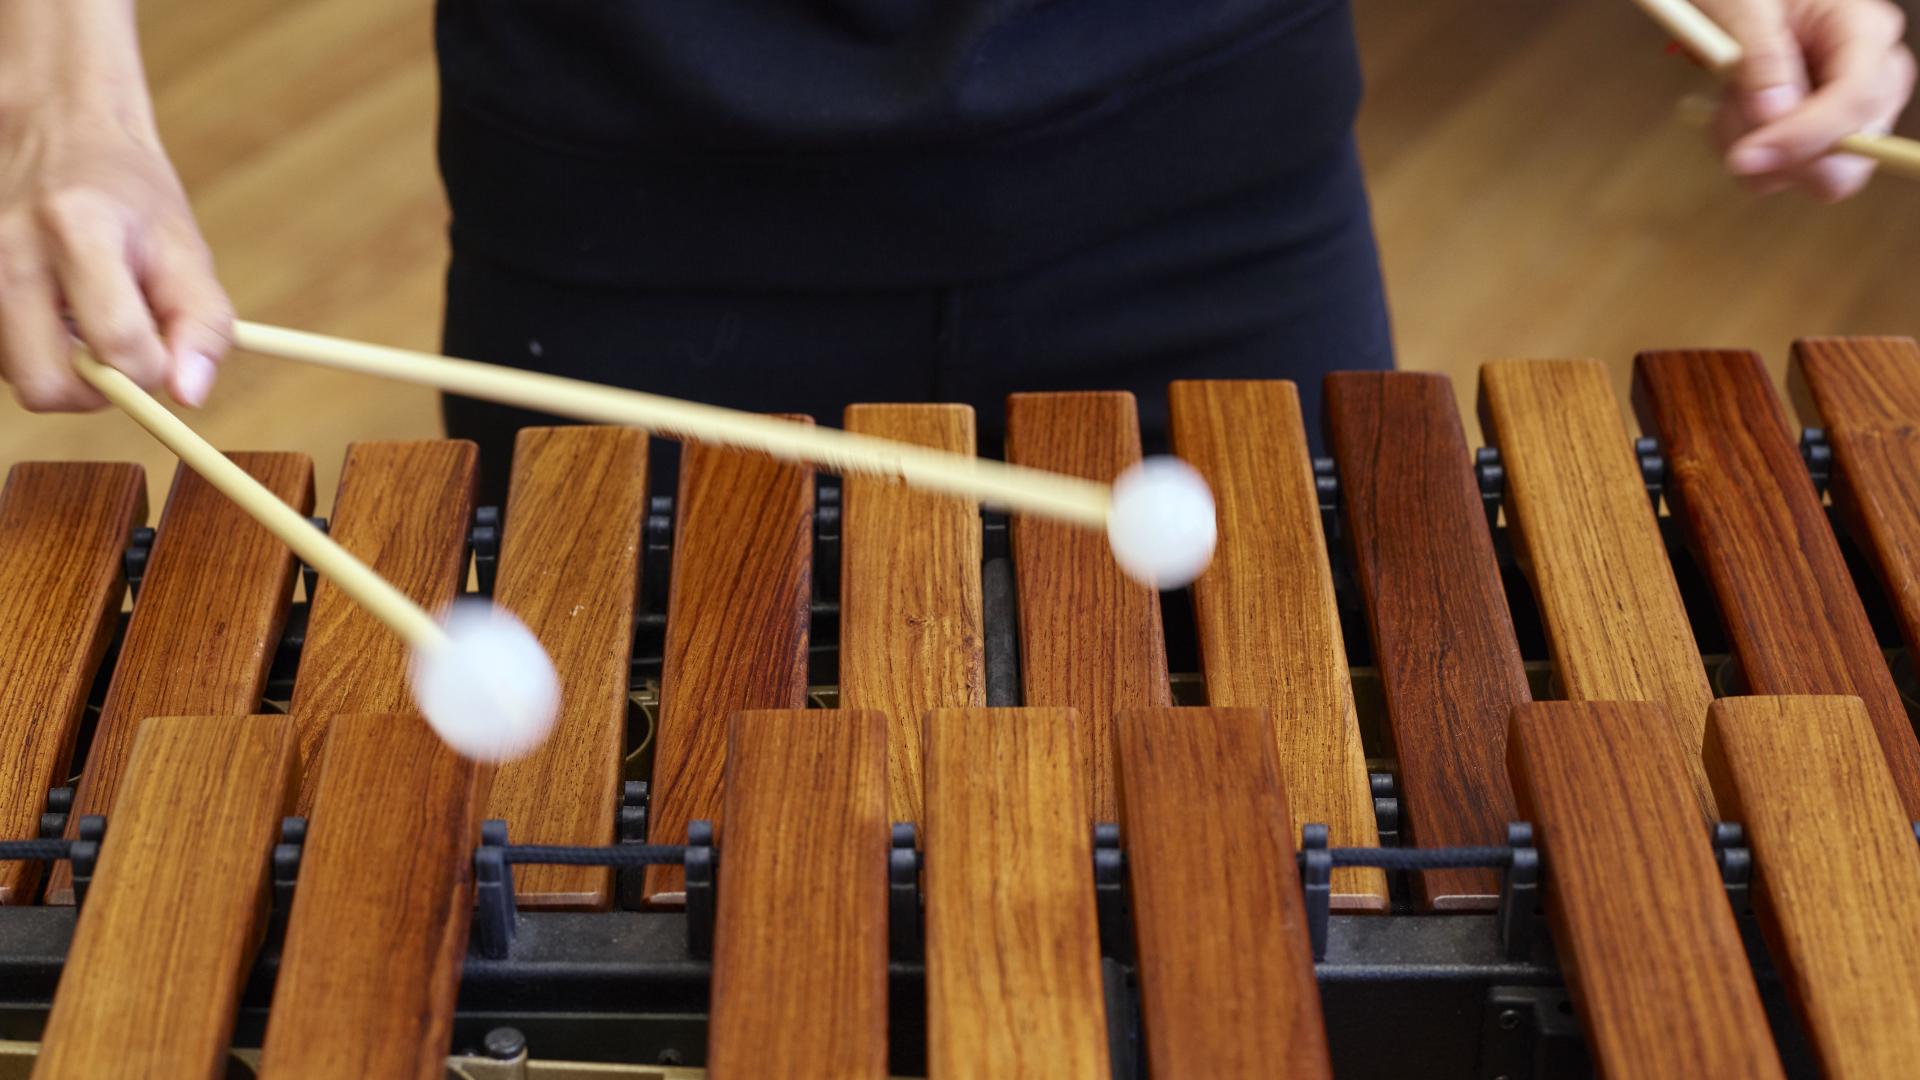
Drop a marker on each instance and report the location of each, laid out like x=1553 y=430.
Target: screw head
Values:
x=504 y=1043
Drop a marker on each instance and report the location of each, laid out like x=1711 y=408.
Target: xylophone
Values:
x=858 y=780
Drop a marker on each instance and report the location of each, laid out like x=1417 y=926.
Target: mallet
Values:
x=482 y=681
x=1158 y=515
x=1717 y=49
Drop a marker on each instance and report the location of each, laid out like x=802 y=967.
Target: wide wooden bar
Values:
x=800 y=934
x=1220 y=927
x=1443 y=638
x=1585 y=531
x=371 y=963
x=1013 y=941
x=1736 y=481
x=405 y=509
x=1865 y=393
x=1090 y=637
x=1837 y=871
x=570 y=569
x=63 y=531
x=178 y=902
x=911 y=634
x=1640 y=918
x=201 y=640
x=736 y=628
x=1269 y=629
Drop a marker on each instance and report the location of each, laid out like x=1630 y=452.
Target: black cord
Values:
x=620 y=855
x=34 y=850
x=1459 y=858
x=617 y=855
x=670 y=854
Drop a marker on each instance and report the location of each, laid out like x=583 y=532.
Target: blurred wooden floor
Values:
x=1534 y=196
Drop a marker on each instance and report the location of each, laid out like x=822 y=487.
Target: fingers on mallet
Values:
x=1771 y=59
x=1866 y=104
x=1836 y=176
x=35 y=349
x=109 y=308
x=195 y=316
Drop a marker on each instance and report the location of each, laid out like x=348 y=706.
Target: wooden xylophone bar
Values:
x=1373 y=642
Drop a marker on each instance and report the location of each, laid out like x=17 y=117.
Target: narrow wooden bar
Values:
x=374 y=945
x=1865 y=393
x=1269 y=630
x=178 y=903
x=1013 y=940
x=1640 y=917
x=378 y=930
x=1090 y=637
x=1443 y=638
x=405 y=509
x=911 y=637
x=203 y=632
x=800 y=935
x=1736 y=481
x=1585 y=531
x=570 y=569
x=736 y=628
x=1838 y=871
x=63 y=530
x=1225 y=964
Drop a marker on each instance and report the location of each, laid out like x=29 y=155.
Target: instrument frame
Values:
x=1448 y=995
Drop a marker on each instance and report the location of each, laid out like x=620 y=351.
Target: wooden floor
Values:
x=1534 y=196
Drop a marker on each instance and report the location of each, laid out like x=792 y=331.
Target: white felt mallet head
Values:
x=489 y=691
x=483 y=682
x=1162 y=525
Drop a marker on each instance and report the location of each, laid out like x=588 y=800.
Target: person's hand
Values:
x=97 y=240
x=1813 y=72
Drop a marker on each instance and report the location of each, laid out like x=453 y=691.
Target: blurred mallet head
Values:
x=489 y=691
x=1162 y=524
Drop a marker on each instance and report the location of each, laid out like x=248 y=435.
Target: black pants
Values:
x=1281 y=282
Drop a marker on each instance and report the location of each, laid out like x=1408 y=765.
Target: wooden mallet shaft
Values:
x=1717 y=49
x=1698 y=34
x=1031 y=491
x=322 y=552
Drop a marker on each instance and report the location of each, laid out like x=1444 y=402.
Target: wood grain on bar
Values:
x=1443 y=638
x=1736 y=481
x=1220 y=927
x=178 y=902
x=1837 y=871
x=405 y=509
x=63 y=530
x=1090 y=637
x=1640 y=917
x=374 y=944
x=570 y=569
x=1013 y=941
x=203 y=632
x=1865 y=393
x=373 y=953
x=1583 y=527
x=1269 y=630
x=800 y=935
x=736 y=628
x=911 y=637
